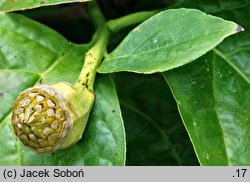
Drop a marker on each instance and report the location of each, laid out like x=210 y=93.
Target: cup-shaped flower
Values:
x=47 y=118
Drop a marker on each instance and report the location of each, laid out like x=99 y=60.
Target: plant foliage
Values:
x=189 y=105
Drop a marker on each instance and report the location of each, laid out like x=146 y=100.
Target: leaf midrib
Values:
x=215 y=107
x=28 y=38
x=229 y=62
x=225 y=58
x=169 y=45
x=41 y=75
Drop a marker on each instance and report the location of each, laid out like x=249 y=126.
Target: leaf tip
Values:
x=239 y=28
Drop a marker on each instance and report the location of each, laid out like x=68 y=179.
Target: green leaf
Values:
x=168 y=40
x=16 y=5
x=213 y=100
x=30 y=54
x=155 y=133
x=213 y=94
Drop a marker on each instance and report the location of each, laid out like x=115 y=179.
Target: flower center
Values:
x=38 y=118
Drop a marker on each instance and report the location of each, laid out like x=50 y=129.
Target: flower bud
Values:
x=47 y=118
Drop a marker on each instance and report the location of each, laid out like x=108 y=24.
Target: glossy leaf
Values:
x=214 y=103
x=30 y=54
x=168 y=40
x=15 y=5
x=154 y=130
x=213 y=98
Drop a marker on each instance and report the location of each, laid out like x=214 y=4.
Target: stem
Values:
x=92 y=60
x=94 y=56
x=96 y=15
x=123 y=22
x=100 y=40
x=97 y=19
